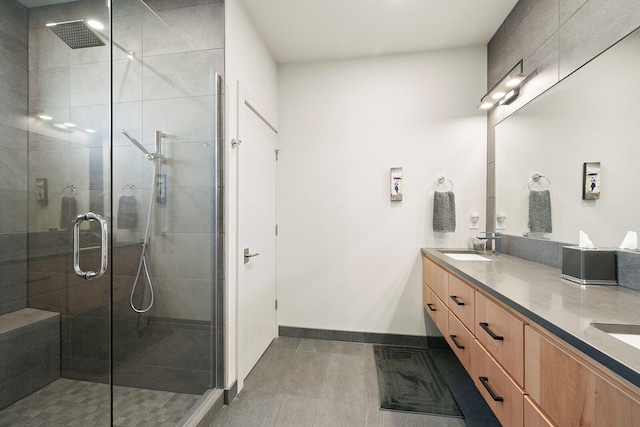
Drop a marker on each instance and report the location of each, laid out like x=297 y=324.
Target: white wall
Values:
x=350 y=258
x=247 y=60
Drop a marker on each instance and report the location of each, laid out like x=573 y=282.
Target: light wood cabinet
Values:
x=461 y=301
x=527 y=375
x=570 y=391
x=504 y=396
x=533 y=416
x=502 y=334
x=436 y=278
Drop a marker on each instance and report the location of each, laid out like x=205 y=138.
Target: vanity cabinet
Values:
x=574 y=391
x=528 y=376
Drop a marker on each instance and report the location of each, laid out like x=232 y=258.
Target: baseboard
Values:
x=230 y=393
x=363 y=337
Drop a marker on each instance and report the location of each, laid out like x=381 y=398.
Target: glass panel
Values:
x=55 y=142
x=114 y=349
x=164 y=235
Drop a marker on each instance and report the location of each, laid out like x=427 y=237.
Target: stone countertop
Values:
x=564 y=308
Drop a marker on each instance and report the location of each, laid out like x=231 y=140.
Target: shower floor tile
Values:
x=67 y=402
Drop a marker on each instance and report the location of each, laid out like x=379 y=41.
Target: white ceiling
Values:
x=311 y=30
x=38 y=3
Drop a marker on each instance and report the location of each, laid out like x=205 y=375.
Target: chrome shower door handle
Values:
x=90 y=216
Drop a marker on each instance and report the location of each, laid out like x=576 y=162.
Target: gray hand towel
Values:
x=540 y=211
x=68 y=211
x=127 y=212
x=444 y=212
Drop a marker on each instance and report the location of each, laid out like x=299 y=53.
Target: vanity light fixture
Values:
x=506 y=90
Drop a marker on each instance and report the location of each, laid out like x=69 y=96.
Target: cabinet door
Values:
x=504 y=396
x=461 y=341
x=502 y=335
x=564 y=388
x=436 y=309
x=435 y=277
x=461 y=301
x=533 y=416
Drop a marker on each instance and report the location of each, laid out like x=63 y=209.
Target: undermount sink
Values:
x=629 y=334
x=465 y=255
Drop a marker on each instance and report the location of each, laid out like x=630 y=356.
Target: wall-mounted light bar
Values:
x=506 y=90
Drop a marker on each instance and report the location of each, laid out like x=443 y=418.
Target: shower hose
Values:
x=142 y=265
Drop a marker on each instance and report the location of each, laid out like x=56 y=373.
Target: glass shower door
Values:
x=164 y=171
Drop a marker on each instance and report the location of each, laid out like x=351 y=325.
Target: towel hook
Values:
x=72 y=189
x=442 y=181
x=131 y=188
x=536 y=178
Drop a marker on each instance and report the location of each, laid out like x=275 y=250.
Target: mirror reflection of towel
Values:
x=444 y=212
x=540 y=211
x=68 y=211
x=127 y=212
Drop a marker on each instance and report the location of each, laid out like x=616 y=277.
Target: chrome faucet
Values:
x=496 y=237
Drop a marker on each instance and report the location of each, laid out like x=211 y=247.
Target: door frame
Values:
x=246 y=100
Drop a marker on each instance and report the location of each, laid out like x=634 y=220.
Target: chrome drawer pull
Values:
x=430 y=307
x=456 y=300
x=485 y=326
x=455 y=341
x=494 y=396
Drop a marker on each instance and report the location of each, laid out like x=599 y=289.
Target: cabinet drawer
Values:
x=504 y=396
x=436 y=278
x=461 y=301
x=533 y=416
x=437 y=309
x=461 y=341
x=502 y=334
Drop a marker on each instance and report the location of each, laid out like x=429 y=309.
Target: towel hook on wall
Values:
x=536 y=178
x=441 y=180
x=71 y=188
x=129 y=189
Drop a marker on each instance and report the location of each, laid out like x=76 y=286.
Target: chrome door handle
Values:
x=248 y=256
x=89 y=216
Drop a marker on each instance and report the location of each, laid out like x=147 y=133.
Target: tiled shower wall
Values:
x=13 y=155
x=554 y=38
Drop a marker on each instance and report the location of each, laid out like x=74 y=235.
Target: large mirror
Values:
x=591 y=116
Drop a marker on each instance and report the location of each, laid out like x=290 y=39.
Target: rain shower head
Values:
x=77 y=34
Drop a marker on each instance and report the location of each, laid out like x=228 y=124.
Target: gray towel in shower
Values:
x=127 y=212
x=444 y=212
x=540 y=211
x=68 y=211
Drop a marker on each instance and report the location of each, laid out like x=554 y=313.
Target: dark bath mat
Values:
x=409 y=380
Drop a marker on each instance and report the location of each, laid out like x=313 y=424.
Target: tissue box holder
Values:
x=629 y=269
x=589 y=266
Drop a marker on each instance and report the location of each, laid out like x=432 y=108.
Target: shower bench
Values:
x=30 y=349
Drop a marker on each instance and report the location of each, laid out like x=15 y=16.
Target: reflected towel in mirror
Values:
x=444 y=212
x=540 y=211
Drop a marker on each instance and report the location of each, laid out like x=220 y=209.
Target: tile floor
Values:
x=308 y=383
x=65 y=403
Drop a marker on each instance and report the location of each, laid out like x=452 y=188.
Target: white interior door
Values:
x=257 y=184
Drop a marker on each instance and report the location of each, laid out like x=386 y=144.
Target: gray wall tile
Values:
x=607 y=21
x=568 y=7
x=177 y=75
x=201 y=27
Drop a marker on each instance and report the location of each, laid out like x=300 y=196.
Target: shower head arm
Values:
x=149 y=155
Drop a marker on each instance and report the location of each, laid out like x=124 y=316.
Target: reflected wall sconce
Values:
x=506 y=90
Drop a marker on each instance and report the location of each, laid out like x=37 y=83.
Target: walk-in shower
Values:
x=104 y=103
